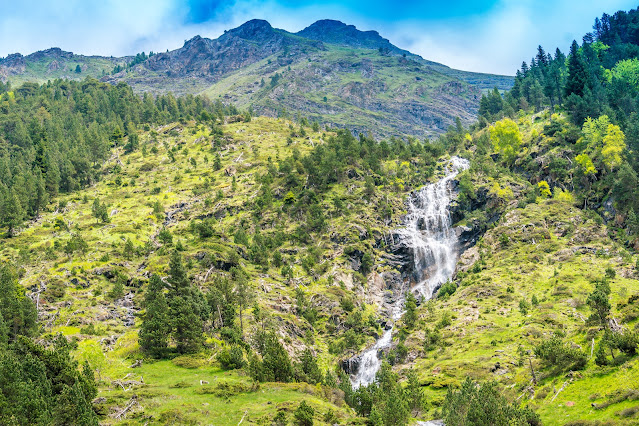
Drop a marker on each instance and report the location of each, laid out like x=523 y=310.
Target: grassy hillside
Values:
x=527 y=279
x=355 y=88
x=552 y=252
x=94 y=294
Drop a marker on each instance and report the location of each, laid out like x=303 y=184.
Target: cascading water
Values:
x=433 y=242
x=429 y=232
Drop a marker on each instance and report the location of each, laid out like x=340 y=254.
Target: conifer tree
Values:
x=155 y=328
x=12 y=213
x=577 y=74
x=187 y=307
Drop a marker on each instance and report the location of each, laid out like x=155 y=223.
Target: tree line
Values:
x=55 y=137
x=597 y=86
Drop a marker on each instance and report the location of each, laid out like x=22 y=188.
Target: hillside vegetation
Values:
x=207 y=265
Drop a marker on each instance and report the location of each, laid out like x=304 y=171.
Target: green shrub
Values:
x=484 y=405
x=554 y=352
x=447 y=289
x=231 y=358
x=303 y=415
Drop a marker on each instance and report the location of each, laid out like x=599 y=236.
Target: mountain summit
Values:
x=337 y=32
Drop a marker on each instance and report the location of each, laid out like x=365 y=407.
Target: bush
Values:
x=483 y=405
x=562 y=355
x=231 y=358
x=303 y=416
x=447 y=289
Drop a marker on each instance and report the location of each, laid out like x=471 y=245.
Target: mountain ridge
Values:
x=335 y=73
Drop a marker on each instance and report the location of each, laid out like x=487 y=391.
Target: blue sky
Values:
x=488 y=35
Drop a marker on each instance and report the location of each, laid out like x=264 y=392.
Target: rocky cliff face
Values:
x=237 y=48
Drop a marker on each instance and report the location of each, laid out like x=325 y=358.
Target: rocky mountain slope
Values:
x=55 y=63
x=330 y=72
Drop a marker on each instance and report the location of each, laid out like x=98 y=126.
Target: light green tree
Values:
x=544 y=189
x=613 y=145
x=506 y=138
x=586 y=165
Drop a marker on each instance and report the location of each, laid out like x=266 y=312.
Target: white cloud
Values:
x=500 y=40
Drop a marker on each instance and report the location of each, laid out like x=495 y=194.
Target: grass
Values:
x=489 y=328
x=79 y=285
x=542 y=254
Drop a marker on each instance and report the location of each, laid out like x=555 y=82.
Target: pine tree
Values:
x=410 y=316
x=187 y=325
x=187 y=307
x=129 y=250
x=541 y=58
x=12 y=213
x=178 y=280
x=577 y=80
x=310 y=368
x=155 y=328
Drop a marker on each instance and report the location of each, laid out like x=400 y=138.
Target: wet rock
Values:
x=351 y=365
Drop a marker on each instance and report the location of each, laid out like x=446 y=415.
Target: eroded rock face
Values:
x=210 y=59
x=13 y=64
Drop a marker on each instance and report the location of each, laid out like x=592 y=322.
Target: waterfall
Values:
x=429 y=234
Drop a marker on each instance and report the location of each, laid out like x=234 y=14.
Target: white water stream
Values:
x=428 y=232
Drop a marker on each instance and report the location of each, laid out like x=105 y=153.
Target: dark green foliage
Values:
x=165 y=236
x=187 y=307
x=410 y=306
x=56 y=136
x=599 y=303
x=413 y=391
x=385 y=402
x=367 y=263
x=310 y=371
x=221 y=300
x=12 y=213
x=155 y=328
x=179 y=315
x=17 y=310
x=275 y=364
x=132 y=144
x=129 y=250
x=117 y=291
x=231 y=358
x=577 y=80
x=38 y=384
x=483 y=405
x=431 y=339
x=280 y=417
x=99 y=211
x=75 y=243
x=594 y=80
x=303 y=415
x=600 y=354
x=447 y=289
x=558 y=354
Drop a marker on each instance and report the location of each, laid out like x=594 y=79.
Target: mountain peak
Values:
x=328 y=24
x=53 y=52
x=252 y=30
x=337 y=32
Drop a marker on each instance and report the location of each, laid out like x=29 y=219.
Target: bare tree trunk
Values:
x=532 y=371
